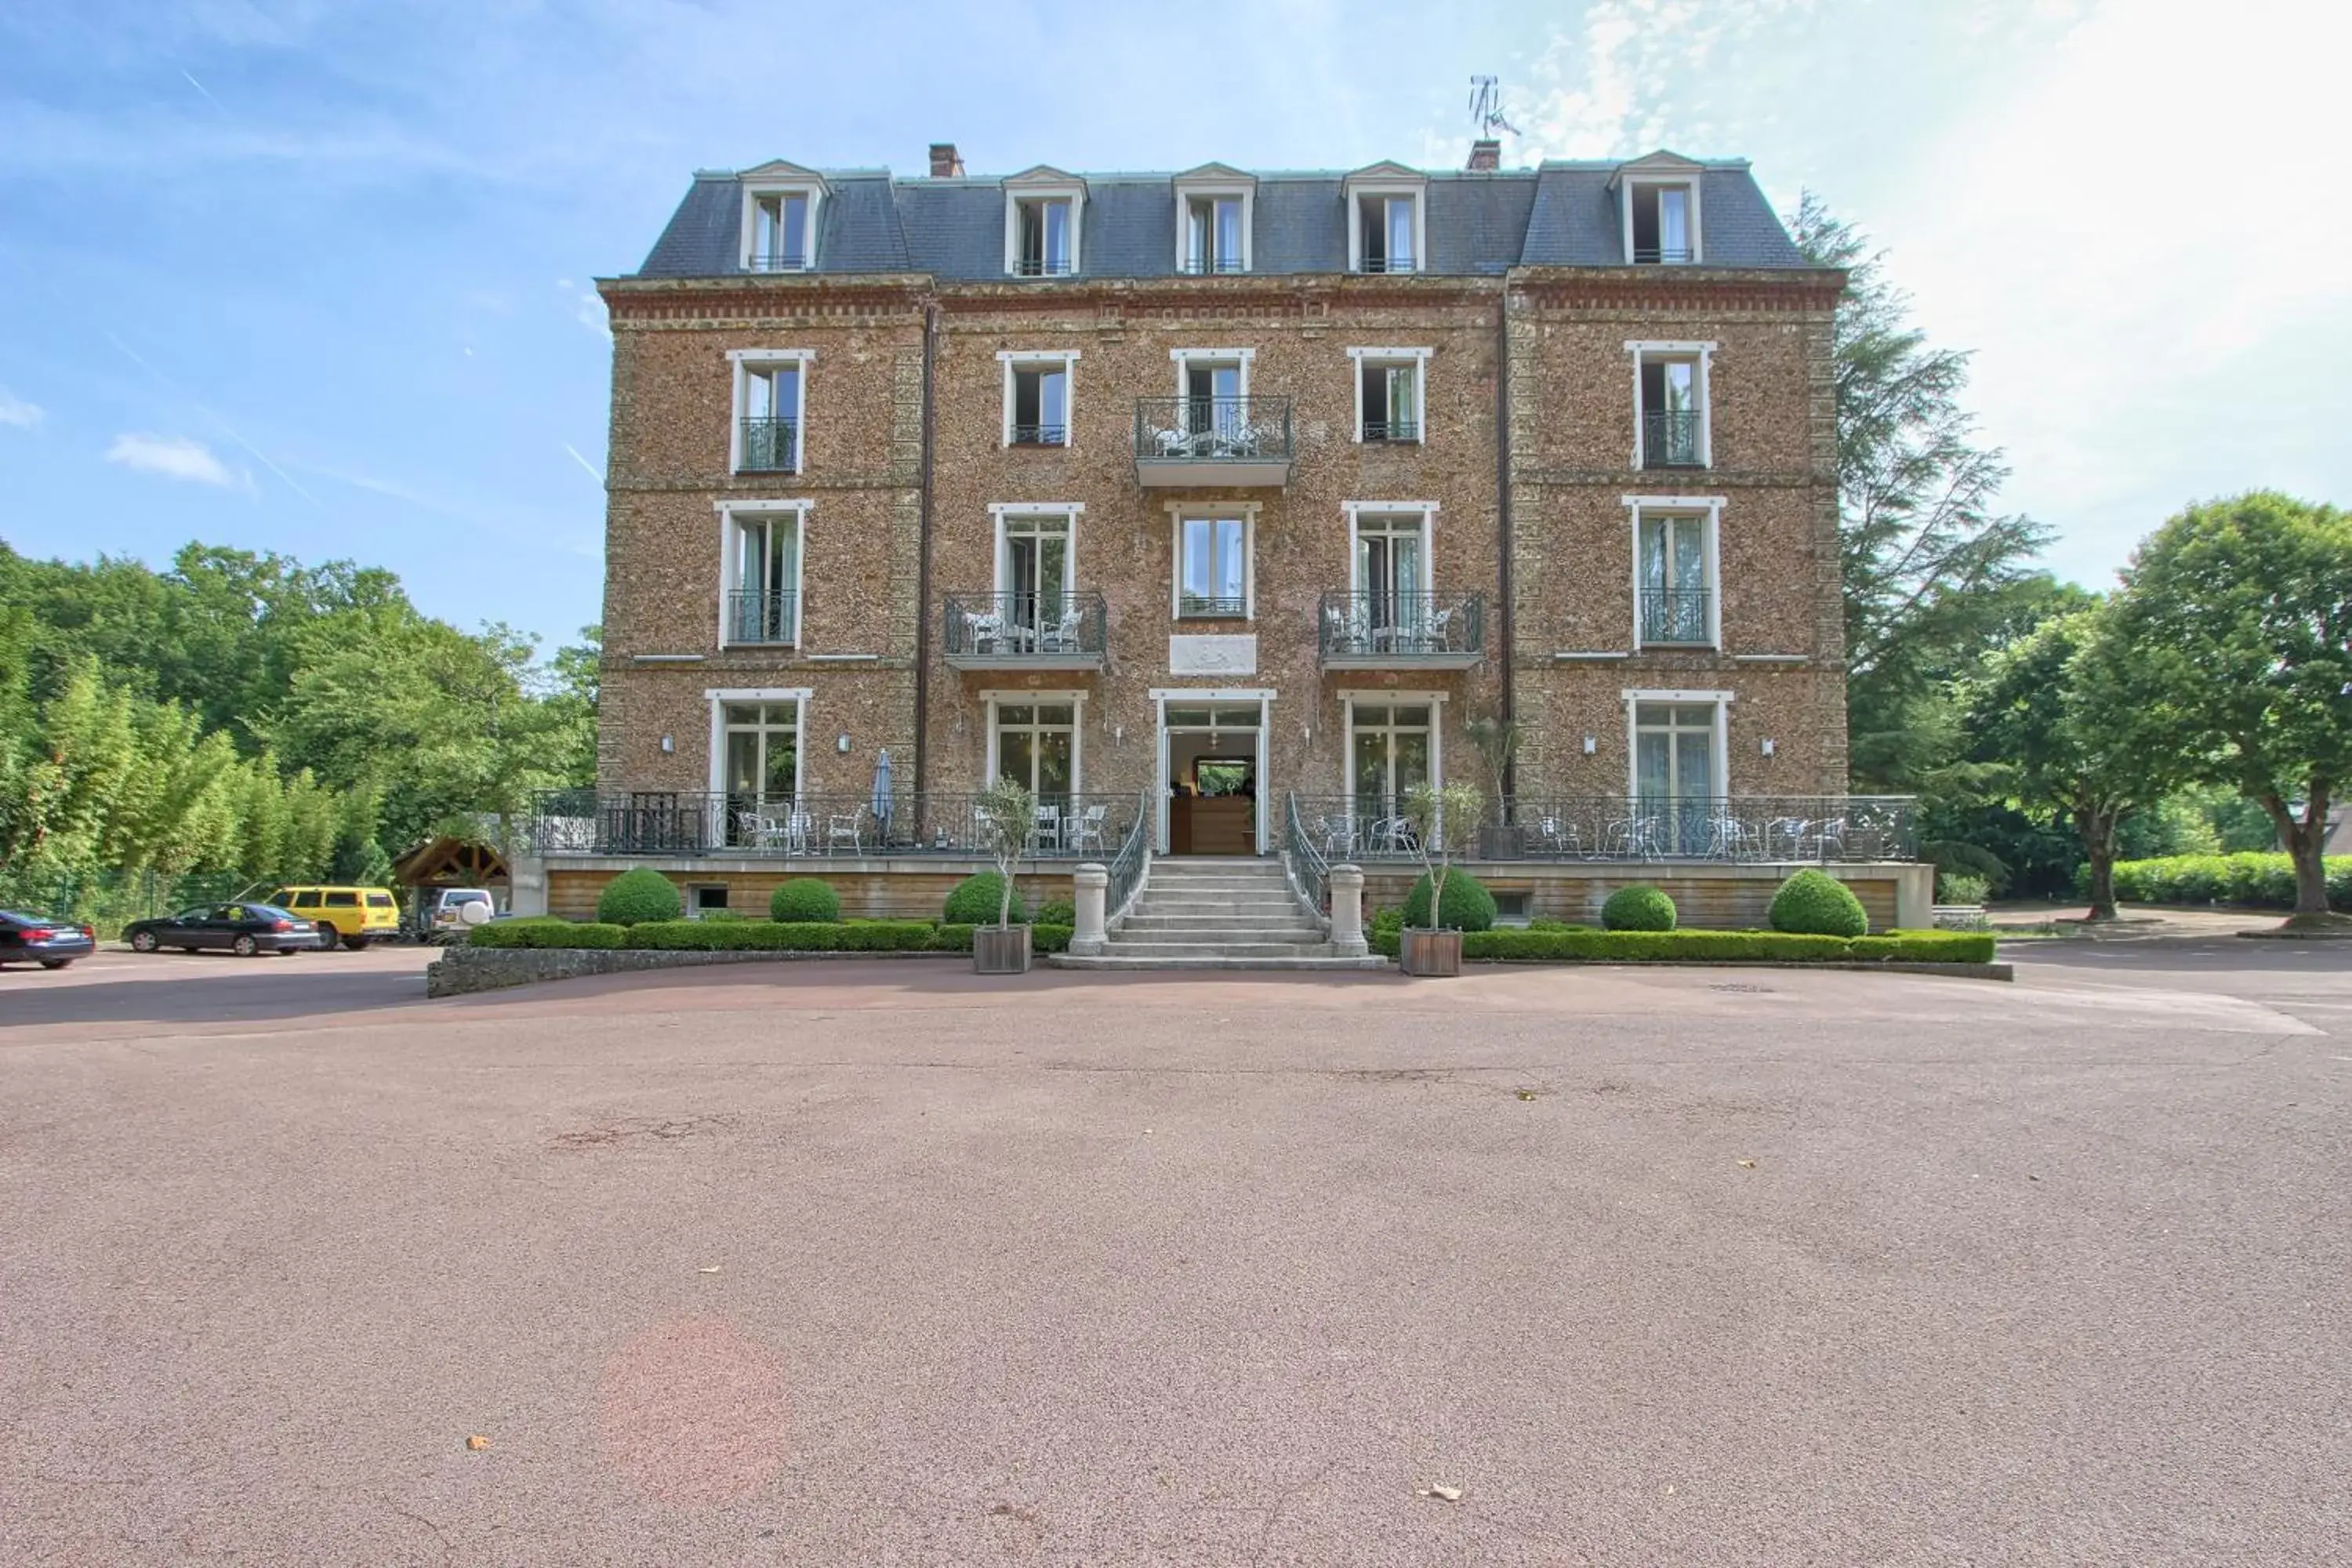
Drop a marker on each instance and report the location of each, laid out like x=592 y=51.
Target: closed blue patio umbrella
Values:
x=882 y=796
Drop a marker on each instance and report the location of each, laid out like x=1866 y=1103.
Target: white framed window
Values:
x=1036 y=547
x=756 y=750
x=1214 y=212
x=1213 y=390
x=1673 y=422
x=1038 y=383
x=1386 y=227
x=1034 y=738
x=769 y=433
x=778 y=222
x=759 y=572
x=1677 y=766
x=1216 y=575
x=1677 y=557
x=1395 y=741
x=1661 y=220
x=1391 y=387
x=1043 y=209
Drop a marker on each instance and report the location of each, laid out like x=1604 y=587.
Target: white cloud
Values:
x=15 y=410
x=173 y=457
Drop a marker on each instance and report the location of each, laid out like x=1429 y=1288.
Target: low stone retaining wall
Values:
x=463 y=970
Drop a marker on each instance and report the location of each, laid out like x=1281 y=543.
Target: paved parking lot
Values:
x=879 y=1263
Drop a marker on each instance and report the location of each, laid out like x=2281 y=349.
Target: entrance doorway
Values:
x=1212 y=773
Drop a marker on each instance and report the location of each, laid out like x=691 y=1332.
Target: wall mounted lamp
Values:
x=1769 y=746
x=841 y=744
x=1591 y=745
x=670 y=742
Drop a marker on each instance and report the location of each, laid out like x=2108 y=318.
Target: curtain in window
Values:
x=1057 y=236
x=1402 y=414
x=1673 y=224
x=1229 y=234
x=1400 y=258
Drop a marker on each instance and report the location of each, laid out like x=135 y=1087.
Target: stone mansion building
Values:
x=1216 y=496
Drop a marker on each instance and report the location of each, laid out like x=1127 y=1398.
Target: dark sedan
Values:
x=52 y=944
x=242 y=928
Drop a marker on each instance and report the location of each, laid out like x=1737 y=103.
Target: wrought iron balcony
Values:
x=1774 y=829
x=1676 y=615
x=1054 y=630
x=1402 y=630
x=1213 y=441
x=1040 y=434
x=779 y=261
x=756 y=617
x=1670 y=439
x=1211 y=267
x=1655 y=255
x=1037 y=267
x=609 y=823
x=1192 y=606
x=1398 y=430
x=1387 y=264
x=768 y=446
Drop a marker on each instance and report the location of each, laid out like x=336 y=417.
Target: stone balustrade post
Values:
x=1348 y=911
x=1090 y=883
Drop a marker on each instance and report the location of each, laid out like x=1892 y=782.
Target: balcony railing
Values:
x=1387 y=264
x=1676 y=615
x=1055 y=630
x=1391 y=429
x=769 y=446
x=1213 y=440
x=1369 y=630
x=1192 y=606
x=1653 y=255
x=1040 y=434
x=626 y=822
x=1211 y=267
x=1670 y=439
x=1035 y=267
x=754 y=617
x=779 y=261
x=1765 y=829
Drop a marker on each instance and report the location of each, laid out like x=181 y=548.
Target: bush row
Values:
x=1571 y=945
x=753 y=936
x=2266 y=880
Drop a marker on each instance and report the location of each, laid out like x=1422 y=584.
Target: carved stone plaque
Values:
x=1212 y=654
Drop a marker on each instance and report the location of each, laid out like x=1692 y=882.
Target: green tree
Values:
x=2051 y=722
x=2236 y=616
x=1933 y=571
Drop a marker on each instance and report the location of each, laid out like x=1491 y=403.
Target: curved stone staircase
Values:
x=1202 y=913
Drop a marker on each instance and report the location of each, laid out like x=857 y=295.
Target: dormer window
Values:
x=1387 y=228
x=1041 y=223
x=780 y=207
x=1657 y=198
x=1213 y=220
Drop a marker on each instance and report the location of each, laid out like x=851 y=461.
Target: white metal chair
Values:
x=1432 y=633
x=1091 y=829
x=1338 y=837
x=1049 y=827
x=845 y=828
x=1556 y=835
x=984 y=631
x=1062 y=636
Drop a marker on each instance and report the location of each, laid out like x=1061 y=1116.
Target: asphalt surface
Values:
x=881 y=1263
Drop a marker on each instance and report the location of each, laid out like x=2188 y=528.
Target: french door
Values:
x=1389 y=756
x=763 y=762
x=1033 y=571
x=1674 y=775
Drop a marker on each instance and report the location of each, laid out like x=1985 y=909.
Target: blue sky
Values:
x=314 y=277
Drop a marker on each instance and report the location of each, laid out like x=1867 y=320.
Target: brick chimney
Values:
x=1486 y=157
x=945 y=163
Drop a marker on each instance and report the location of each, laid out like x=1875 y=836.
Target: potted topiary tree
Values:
x=1439 y=816
x=1005 y=815
x=1496 y=741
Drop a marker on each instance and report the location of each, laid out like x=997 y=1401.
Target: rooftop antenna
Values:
x=1486 y=107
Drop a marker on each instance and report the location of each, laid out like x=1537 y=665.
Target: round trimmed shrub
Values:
x=1815 y=903
x=1057 y=912
x=804 y=900
x=1468 y=905
x=633 y=897
x=974 y=901
x=1638 y=907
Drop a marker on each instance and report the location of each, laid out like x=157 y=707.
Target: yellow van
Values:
x=353 y=916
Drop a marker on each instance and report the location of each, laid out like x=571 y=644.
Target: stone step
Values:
x=1120 y=947
x=1134 y=930
x=1216 y=884
x=1188 y=904
x=1217 y=920
x=1111 y=961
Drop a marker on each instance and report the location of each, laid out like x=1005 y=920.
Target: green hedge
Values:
x=1717 y=946
x=804 y=900
x=2265 y=881
x=547 y=931
x=637 y=896
x=755 y=936
x=1638 y=907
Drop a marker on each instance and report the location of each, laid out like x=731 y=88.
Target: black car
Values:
x=241 y=929
x=52 y=944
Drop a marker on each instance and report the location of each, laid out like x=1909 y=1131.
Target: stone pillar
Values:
x=1348 y=911
x=1914 y=896
x=1090 y=883
x=527 y=885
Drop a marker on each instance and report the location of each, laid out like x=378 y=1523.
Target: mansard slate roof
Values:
x=1478 y=224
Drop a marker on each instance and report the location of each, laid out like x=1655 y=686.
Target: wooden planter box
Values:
x=1502 y=841
x=999 y=951
x=1429 y=952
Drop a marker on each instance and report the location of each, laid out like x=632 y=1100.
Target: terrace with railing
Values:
x=1764 y=829
x=1381 y=630
x=1025 y=630
x=595 y=823
x=1213 y=440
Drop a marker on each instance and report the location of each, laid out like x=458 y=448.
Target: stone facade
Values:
x=905 y=455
